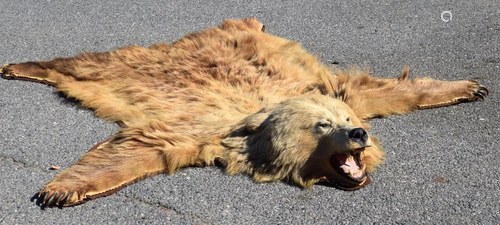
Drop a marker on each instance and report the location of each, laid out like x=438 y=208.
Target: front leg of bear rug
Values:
x=131 y=155
x=377 y=97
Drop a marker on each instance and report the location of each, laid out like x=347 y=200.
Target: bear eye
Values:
x=324 y=125
x=348 y=119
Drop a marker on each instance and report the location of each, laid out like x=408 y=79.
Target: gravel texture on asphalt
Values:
x=442 y=165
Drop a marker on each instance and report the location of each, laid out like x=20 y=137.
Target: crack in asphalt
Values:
x=21 y=164
x=164 y=207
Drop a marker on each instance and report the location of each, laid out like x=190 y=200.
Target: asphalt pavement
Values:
x=442 y=165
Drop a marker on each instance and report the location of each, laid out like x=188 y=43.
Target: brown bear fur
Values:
x=258 y=104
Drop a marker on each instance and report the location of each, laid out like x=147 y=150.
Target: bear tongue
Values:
x=350 y=165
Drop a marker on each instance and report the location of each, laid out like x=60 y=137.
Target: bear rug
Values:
x=232 y=96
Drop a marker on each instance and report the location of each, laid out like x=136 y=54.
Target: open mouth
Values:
x=351 y=171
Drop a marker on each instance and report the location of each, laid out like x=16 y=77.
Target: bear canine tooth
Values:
x=348 y=156
x=362 y=182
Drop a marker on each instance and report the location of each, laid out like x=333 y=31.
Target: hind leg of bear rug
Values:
x=131 y=155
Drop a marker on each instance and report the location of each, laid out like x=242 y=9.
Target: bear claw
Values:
x=56 y=198
x=481 y=93
x=49 y=199
x=3 y=72
x=69 y=197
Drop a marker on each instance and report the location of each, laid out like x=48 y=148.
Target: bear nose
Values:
x=359 y=136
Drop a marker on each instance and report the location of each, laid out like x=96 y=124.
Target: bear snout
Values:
x=360 y=136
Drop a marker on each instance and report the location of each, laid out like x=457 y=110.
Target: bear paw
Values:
x=479 y=92
x=58 y=195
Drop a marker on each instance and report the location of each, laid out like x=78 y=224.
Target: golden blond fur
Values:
x=258 y=104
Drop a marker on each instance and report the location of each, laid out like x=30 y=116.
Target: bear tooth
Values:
x=348 y=156
x=352 y=174
x=362 y=182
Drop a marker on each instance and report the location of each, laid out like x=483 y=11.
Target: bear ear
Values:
x=237 y=138
x=254 y=122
